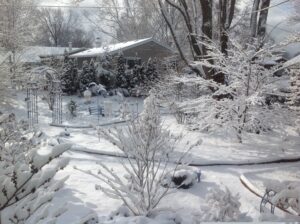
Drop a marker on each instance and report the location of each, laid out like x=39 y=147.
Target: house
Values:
x=34 y=55
x=136 y=50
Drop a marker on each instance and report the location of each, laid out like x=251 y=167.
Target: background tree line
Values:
x=23 y=23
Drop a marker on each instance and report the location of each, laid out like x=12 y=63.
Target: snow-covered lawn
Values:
x=79 y=189
x=82 y=200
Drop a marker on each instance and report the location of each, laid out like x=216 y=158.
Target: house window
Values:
x=132 y=61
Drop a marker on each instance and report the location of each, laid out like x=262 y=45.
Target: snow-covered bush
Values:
x=121 y=77
x=26 y=171
x=144 y=77
x=148 y=149
x=88 y=74
x=138 y=79
x=239 y=105
x=287 y=195
x=105 y=77
x=97 y=89
x=69 y=77
x=221 y=206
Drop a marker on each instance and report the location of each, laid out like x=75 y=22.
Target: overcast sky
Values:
x=278 y=23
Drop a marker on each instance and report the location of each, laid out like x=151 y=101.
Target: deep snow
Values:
x=83 y=201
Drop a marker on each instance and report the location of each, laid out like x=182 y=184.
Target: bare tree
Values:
x=57 y=24
x=82 y=38
x=58 y=28
x=130 y=19
x=16 y=28
x=16 y=24
x=189 y=10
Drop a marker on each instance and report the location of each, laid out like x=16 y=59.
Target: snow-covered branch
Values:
x=26 y=169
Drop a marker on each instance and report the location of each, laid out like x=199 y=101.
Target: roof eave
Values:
x=146 y=40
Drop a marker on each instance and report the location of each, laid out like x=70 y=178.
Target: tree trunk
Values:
x=185 y=12
x=206 y=28
x=227 y=8
x=162 y=9
x=262 y=23
x=254 y=16
x=207 y=23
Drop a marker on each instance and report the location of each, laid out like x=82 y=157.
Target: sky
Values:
x=278 y=23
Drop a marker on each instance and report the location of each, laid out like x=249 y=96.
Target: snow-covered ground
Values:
x=82 y=200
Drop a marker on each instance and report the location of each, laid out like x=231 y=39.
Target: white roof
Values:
x=32 y=54
x=291 y=62
x=114 y=48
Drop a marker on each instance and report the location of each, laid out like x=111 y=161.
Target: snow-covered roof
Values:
x=32 y=54
x=291 y=62
x=114 y=48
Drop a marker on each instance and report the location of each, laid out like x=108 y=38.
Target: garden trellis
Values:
x=46 y=81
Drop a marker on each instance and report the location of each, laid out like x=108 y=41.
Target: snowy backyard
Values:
x=149 y=112
x=221 y=161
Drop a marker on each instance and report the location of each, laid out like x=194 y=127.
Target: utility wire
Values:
x=123 y=7
x=76 y=7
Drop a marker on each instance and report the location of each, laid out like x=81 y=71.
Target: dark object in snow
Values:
x=123 y=211
x=53 y=142
x=198 y=176
x=267 y=199
x=102 y=93
x=178 y=181
x=97 y=110
x=181 y=179
x=72 y=107
x=111 y=92
x=39 y=134
x=64 y=133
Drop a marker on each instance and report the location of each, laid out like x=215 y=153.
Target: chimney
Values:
x=70 y=46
